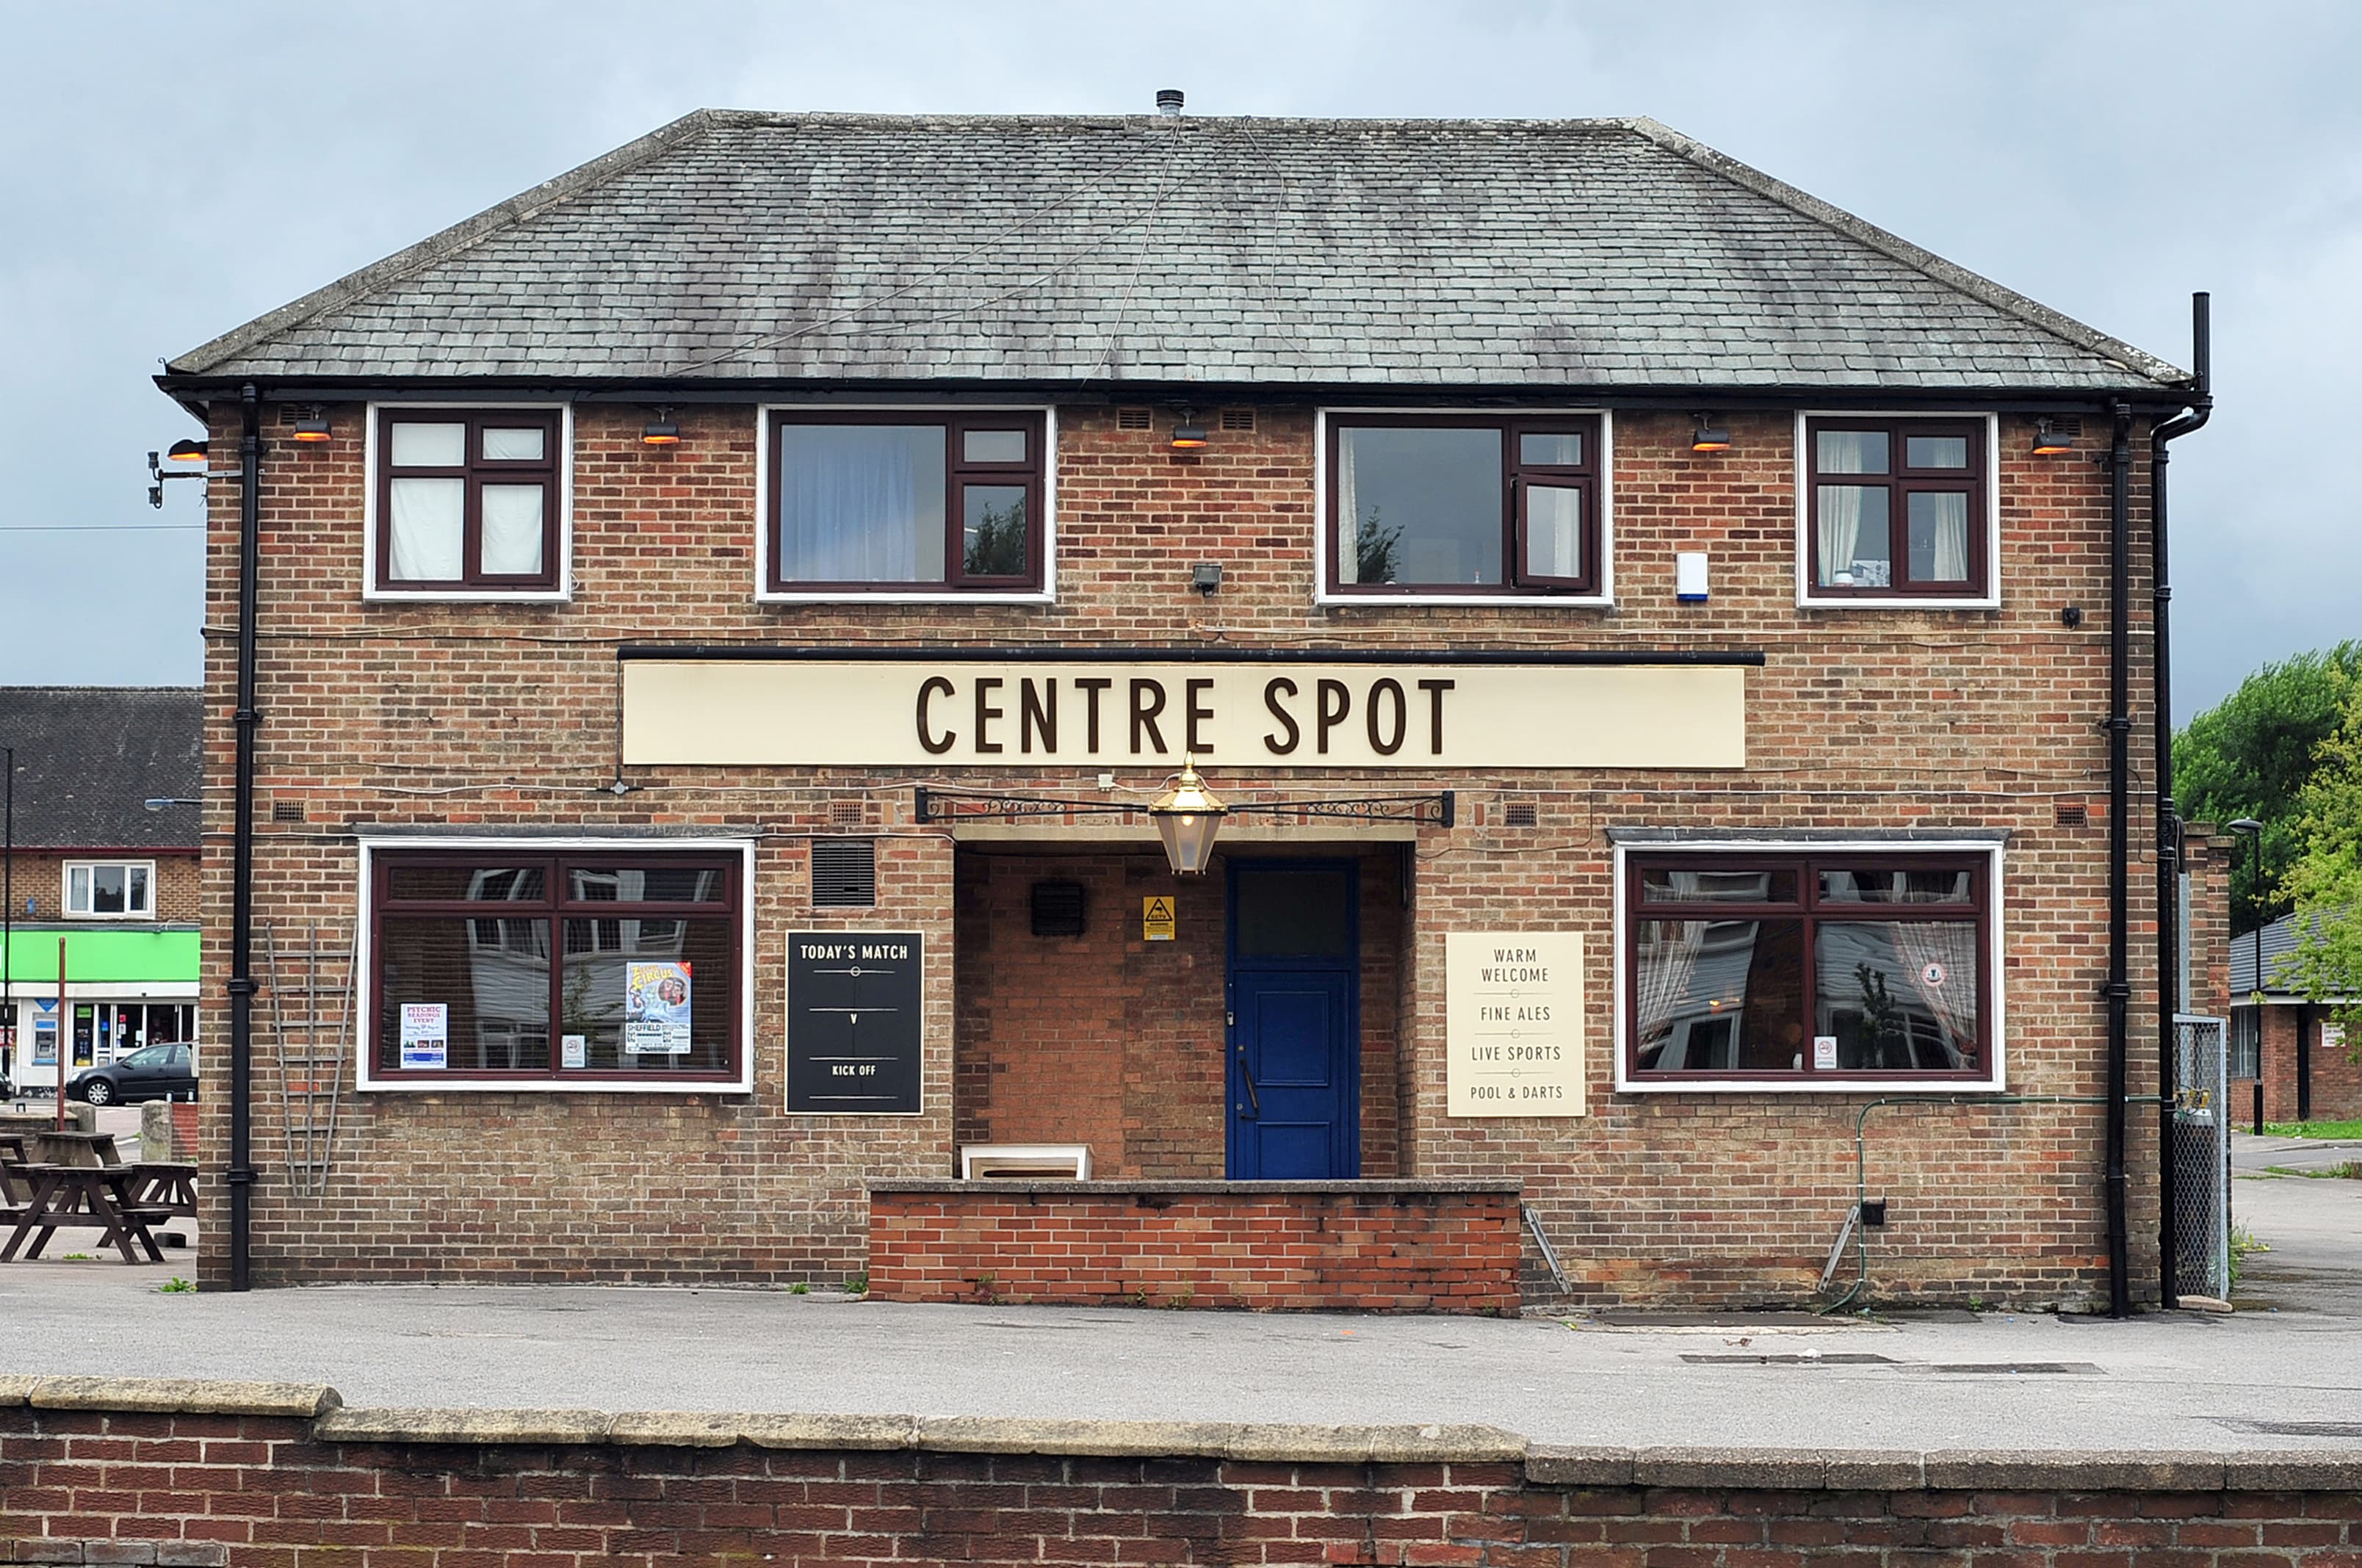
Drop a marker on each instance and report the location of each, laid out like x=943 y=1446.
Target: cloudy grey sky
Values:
x=170 y=171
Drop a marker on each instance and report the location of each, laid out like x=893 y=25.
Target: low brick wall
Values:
x=97 y=1470
x=1381 y=1246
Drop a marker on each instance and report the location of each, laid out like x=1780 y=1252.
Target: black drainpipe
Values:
x=2168 y=815
x=2119 y=727
x=241 y=895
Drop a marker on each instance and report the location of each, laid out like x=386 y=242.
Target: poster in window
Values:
x=426 y=1034
x=84 y=1040
x=656 y=1010
x=854 y=1017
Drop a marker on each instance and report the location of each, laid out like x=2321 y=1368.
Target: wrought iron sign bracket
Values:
x=1437 y=809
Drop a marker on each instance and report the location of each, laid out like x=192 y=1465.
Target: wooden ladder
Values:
x=311 y=1017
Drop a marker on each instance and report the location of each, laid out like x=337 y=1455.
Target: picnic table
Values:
x=106 y=1197
x=73 y=1148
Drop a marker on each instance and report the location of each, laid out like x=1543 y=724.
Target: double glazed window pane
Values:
x=1937 y=524
x=861 y=503
x=511 y=521
x=108 y=891
x=992 y=529
x=1721 y=995
x=1855 y=549
x=1419 y=505
x=681 y=970
x=1705 y=885
x=491 y=975
x=1553 y=528
x=1852 y=451
x=430 y=528
x=1899 y=996
x=417 y=445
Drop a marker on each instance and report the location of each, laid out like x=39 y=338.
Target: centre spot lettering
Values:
x=982 y=717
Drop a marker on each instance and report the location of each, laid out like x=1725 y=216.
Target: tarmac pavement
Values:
x=2284 y=1372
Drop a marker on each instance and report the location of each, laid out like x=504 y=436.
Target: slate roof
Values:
x=734 y=245
x=87 y=757
x=2279 y=940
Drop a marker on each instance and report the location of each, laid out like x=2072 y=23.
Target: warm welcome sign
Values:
x=1238 y=713
x=1513 y=1023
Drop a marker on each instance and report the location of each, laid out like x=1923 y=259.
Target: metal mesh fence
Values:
x=2201 y=1157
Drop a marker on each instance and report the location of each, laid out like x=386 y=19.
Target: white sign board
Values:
x=941 y=712
x=1513 y=1031
x=425 y=1034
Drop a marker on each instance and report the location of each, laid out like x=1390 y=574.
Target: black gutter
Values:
x=2119 y=727
x=1225 y=652
x=242 y=1174
x=2168 y=815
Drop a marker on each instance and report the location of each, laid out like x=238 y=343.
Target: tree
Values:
x=2250 y=755
x=2324 y=883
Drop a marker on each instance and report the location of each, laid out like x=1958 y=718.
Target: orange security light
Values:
x=1708 y=437
x=2049 y=441
x=661 y=431
x=312 y=427
x=1189 y=436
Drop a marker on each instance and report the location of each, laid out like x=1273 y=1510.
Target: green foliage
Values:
x=2315 y=1129
x=2324 y=883
x=176 y=1286
x=995 y=545
x=2250 y=755
x=1378 y=550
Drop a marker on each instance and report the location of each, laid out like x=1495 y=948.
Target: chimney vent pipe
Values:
x=1168 y=101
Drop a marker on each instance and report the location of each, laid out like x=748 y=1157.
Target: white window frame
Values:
x=1325 y=593
x=1807 y=599
x=364 y=969
x=371 y=457
x=1046 y=594
x=65 y=888
x=1996 y=1077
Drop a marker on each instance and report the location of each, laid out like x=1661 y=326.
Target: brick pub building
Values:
x=696 y=653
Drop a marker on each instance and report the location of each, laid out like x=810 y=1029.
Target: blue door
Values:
x=1295 y=1068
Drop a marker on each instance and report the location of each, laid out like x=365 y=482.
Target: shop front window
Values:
x=566 y=969
x=1806 y=968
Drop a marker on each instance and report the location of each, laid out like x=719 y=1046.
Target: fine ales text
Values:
x=1031 y=716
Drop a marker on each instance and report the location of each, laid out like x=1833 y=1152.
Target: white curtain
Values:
x=1951 y=947
x=428 y=522
x=861 y=503
x=512 y=531
x=1667 y=957
x=1554 y=530
x=1949 y=545
x=1840 y=528
x=1348 y=512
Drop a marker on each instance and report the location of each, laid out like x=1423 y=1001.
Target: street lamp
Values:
x=1187 y=816
x=2252 y=830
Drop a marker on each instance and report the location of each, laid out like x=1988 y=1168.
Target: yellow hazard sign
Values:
x=1156 y=919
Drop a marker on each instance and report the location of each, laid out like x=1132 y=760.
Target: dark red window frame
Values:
x=959 y=472
x=556 y=907
x=477 y=471
x=1808 y=908
x=1900 y=482
x=1515 y=477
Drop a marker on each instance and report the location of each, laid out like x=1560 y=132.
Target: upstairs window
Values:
x=875 y=501
x=111 y=889
x=466 y=501
x=1427 y=503
x=1896 y=508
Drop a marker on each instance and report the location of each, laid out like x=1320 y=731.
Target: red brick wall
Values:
x=2335 y=1093
x=79 y=1486
x=1416 y=1252
x=484 y=717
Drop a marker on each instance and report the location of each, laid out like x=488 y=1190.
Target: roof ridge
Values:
x=449 y=242
x=1864 y=232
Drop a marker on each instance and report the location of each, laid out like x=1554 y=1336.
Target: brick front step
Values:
x=1381 y=1246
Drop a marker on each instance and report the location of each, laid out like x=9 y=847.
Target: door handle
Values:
x=1254 y=1098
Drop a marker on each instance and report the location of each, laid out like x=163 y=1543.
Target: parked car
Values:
x=152 y=1072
